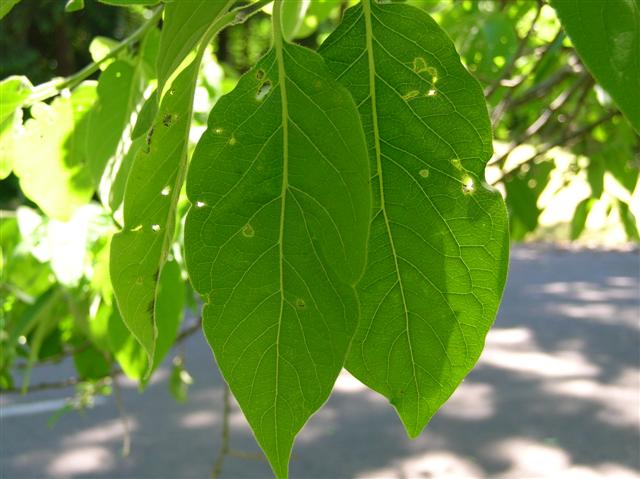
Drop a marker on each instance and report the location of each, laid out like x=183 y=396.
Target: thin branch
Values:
x=74 y=381
x=517 y=83
x=224 y=447
x=543 y=120
x=562 y=141
x=53 y=88
x=508 y=69
x=126 y=435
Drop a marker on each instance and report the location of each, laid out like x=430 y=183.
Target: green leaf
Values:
x=437 y=256
x=276 y=239
x=14 y=90
x=629 y=221
x=579 y=220
x=119 y=91
x=179 y=381
x=74 y=5
x=6 y=6
x=607 y=38
x=170 y=312
x=293 y=14
x=126 y=3
x=523 y=191
x=138 y=253
x=185 y=23
x=49 y=157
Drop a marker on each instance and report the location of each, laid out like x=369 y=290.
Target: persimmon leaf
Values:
x=438 y=248
x=276 y=239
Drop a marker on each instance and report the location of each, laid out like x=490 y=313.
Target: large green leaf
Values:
x=139 y=251
x=438 y=248
x=606 y=35
x=276 y=239
x=49 y=159
x=185 y=23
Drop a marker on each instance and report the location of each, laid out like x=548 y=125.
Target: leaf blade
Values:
x=259 y=241
x=607 y=39
x=429 y=139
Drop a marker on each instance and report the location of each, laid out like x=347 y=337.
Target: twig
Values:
x=506 y=71
x=564 y=139
x=543 y=120
x=53 y=88
x=224 y=448
x=506 y=101
x=126 y=435
x=74 y=381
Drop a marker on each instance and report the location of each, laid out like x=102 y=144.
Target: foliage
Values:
x=331 y=208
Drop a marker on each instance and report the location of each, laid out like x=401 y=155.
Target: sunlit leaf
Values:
x=139 y=251
x=6 y=6
x=185 y=23
x=14 y=91
x=50 y=145
x=437 y=255
x=276 y=239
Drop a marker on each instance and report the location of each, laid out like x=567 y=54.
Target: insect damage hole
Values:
x=200 y=204
x=155 y=227
x=165 y=191
x=260 y=74
x=300 y=304
x=264 y=90
x=468 y=186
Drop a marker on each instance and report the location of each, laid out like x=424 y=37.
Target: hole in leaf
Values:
x=456 y=164
x=300 y=304
x=264 y=90
x=468 y=186
x=137 y=228
x=155 y=227
x=166 y=190
x=168 y=119
x=217 y=130
x=260 y=74
x=248 y=231
x=232 y=140
x=200 y=204
x=431 y=92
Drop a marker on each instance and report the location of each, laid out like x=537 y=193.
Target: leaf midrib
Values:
x=282 y=79
x=366 y=5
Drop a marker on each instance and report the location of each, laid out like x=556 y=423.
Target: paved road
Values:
x=556 y=395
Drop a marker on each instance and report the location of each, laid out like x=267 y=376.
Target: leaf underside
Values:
x=276 y=239
x=438 y=246
x=139 y=251
x=607 y=38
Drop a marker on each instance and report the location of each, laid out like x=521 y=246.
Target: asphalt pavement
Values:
x=556 y=394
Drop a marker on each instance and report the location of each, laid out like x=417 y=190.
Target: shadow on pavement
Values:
x=556 y=394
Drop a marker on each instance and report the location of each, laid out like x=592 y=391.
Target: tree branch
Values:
x=562 y=141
